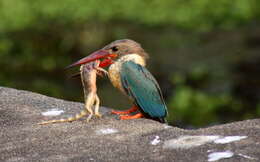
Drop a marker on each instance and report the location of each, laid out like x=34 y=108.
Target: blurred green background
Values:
x=205 y=54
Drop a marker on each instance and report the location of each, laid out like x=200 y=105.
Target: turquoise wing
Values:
x=139 y=84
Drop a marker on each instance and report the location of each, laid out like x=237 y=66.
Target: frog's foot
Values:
x=101 y=71
x=98 y=115
x=89 y=117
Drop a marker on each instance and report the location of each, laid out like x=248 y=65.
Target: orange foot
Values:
x=126 y=117
x=132 y=109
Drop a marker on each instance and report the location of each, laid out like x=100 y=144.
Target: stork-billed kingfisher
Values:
x=126 y=60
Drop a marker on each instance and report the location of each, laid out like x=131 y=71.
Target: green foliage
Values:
x=194 y=104
x=195 y=107
x=195 y=14
x=258 y=110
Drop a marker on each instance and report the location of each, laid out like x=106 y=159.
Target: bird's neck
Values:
x=132 y=57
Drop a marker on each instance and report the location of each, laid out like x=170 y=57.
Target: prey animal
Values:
x=88 y=73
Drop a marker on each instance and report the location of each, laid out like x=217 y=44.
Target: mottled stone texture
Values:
x=108 y=139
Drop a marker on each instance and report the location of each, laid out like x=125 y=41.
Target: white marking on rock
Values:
x=107 y=131
x=166 y=126
x=155 y=141
x=185 y=142
x=229 y=139
x=52 y=112
x=220 y=155
x=247 y=157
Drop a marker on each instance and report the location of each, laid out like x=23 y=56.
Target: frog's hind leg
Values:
x=88 y=105
x=97 y=105
x=90 y=113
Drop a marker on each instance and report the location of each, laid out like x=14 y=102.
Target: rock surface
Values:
x=108 y=139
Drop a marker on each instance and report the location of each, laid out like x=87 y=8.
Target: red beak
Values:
x=100 y=54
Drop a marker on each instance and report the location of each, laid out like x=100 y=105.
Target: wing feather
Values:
x=139 y=84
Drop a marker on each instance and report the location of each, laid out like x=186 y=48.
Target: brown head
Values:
x=114 y=51
x=126 y=46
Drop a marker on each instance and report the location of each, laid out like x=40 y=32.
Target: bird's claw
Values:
x=132 y=109
x=126 y=117
x=117 y=112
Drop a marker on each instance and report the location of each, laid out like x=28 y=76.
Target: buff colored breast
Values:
x=114 y=75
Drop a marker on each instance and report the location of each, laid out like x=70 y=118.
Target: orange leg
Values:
x=136 y=116
x=132 y=109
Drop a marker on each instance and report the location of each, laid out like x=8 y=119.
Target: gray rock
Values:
x=109 y=139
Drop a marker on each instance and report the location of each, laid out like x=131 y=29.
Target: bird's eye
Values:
x=114 y=49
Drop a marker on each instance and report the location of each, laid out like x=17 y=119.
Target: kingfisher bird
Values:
x=126 y=60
